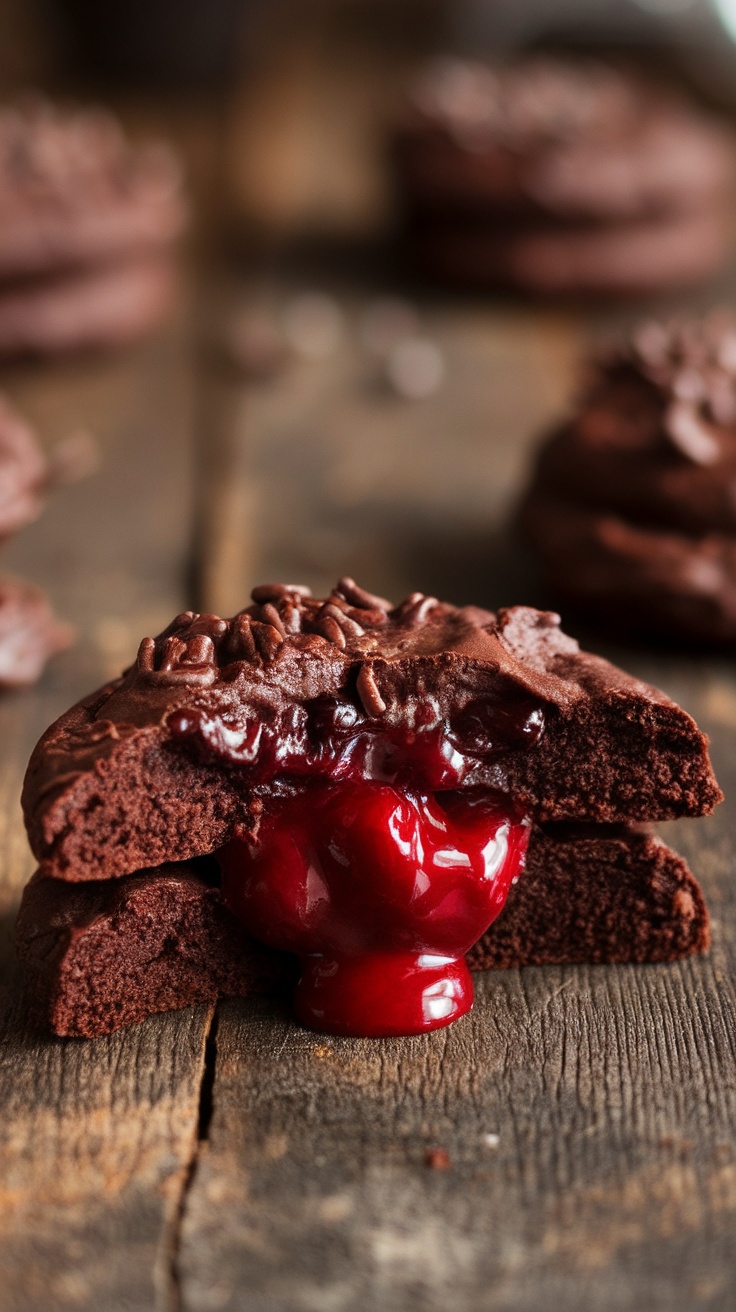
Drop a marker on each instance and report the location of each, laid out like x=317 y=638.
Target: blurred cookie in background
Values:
x=88 y=223
x=24 y=472
x=632 y=503
x=28 y=475
x=561 y=176
x=29 y=631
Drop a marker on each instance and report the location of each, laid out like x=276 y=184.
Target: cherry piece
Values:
x=380 y=892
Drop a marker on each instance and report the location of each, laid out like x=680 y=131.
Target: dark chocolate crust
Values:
x=163 y=763
x=632 y=503
x=102 y=955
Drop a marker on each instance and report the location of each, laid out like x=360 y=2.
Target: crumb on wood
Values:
x=438 y=1159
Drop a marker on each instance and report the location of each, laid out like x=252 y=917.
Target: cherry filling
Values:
x=367 y=862
x=380 y=892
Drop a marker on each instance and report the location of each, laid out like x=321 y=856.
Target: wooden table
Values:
x=226 y=1158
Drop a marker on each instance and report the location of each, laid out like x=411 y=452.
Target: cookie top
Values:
x=170 y=760
x=561 y=136
x=24 y=472
x=74 y=190
x=538 y=99
x=653 y=437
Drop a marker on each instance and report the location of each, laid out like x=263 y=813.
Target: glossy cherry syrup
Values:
x=380 y=892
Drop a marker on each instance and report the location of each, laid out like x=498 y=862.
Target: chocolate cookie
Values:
x=632 y=258
x=632 y=504
x=98 y=956
x=29 y=633
x=75 y=192
x=87 y=221
x=296 y=679
x=597 y=895
x=103 y=955
x=24 y=472
x=92 y=309
x=368 y=778
x=561 y=176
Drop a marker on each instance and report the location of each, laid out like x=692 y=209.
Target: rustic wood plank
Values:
x=608 y=1180
x=307 y=137
x=587 y=1113
x=97 y=1137
x=325 y=469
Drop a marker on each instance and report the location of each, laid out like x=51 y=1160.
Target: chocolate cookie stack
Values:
x=632 y=504
x=29 y=633
x=561 y=176
x=87 y=224
x=138 y=798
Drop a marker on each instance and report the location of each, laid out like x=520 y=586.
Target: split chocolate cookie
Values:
x=561 y=176
x=87 y=225
x=632 y=502
x=358 y=787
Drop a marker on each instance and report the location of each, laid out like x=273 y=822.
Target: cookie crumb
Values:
x=415 y=368
x=313 y=325
x=437 y=1159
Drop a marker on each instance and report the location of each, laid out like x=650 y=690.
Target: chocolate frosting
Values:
x=167 y=762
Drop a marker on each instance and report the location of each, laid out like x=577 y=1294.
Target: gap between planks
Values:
x=173 y=1299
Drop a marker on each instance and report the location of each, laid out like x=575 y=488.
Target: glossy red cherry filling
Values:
x=332 y=738
x=380 y=893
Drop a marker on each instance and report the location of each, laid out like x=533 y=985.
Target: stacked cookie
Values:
x=29 y=633
x=228 y=790
x=632 y=504
x=561 y=176
x=87 y=224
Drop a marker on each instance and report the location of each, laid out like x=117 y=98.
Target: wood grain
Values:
x=340 y=474
x=97 y=1138
x=585 y=1117
x=588 y=1117
x=587 y=1114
